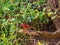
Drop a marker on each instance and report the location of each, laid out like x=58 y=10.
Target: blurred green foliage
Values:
x=13 y=12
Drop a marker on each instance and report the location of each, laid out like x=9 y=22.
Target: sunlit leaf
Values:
x=39 y=43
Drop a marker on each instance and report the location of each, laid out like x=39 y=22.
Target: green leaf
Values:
x=1 y=43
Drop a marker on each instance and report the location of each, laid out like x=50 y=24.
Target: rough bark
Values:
x=53 y=4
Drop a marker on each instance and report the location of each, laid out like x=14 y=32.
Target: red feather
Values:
x=25 y=26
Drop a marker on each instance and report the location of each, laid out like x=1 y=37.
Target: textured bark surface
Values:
x=50 y=38
x=53 y=4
